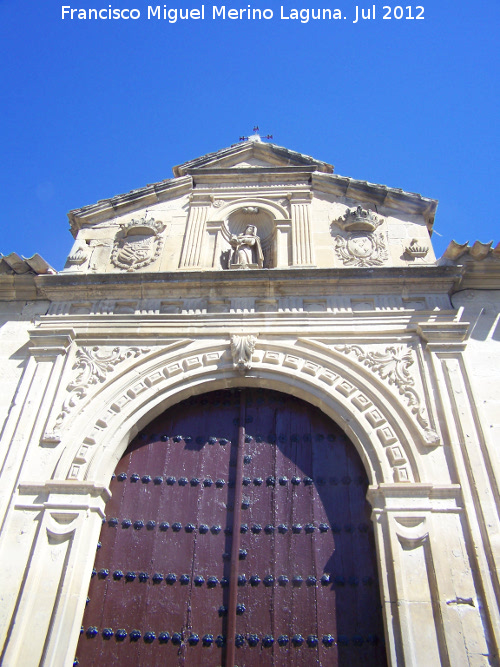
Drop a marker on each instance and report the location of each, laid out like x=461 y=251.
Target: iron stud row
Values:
x=255 y=528
x=268 y=581
x=177 y=638
x=257 y=481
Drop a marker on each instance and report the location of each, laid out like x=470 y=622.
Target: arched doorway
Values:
x=236 y=514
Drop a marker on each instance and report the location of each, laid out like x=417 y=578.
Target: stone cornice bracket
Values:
x=415 y=498
x=47 y=345
x=63 y=495
x=201 y=199
x=444 y=336
x=242 y=348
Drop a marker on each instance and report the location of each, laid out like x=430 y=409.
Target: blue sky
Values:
x=91 y=109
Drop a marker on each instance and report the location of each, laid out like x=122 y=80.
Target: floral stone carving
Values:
x=242 y=348
x=392 y=365
x=92 y=365
x=137 y=244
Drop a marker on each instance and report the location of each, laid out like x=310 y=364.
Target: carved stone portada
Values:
x=137 y=244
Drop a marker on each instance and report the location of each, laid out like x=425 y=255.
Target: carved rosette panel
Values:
x=392 y=365
x=360 y=249
x=137 y=244
x=92 y=366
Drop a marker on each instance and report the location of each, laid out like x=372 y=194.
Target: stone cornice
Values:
x=19 y=288
x=262 y=282
x=106 y=209
x=483 y=275
x=378 y=194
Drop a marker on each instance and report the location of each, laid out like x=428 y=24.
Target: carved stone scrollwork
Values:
x=361 y=249
x=92 y=365
x=137 y=244
x=242 y=348
x=392 y=365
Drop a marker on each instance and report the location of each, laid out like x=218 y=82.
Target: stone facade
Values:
x=257 y=266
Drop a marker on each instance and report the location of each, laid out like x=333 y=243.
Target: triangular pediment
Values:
x=252 y=155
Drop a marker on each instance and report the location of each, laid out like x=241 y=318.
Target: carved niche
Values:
x=137 y=244
x=362 y=245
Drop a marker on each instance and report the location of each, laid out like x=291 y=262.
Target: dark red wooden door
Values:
x=172 y=585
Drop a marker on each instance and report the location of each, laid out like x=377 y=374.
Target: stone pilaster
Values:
x=302 y=252
x=432 y=601
x=193 y=239
x=49 y=573
x=472 y=459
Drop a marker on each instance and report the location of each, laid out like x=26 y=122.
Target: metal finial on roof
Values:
x=256 y=136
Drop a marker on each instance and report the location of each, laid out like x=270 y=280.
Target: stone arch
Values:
x=276 y=210
x=384 y=433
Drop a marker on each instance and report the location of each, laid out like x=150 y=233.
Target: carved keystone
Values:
x=242 y=348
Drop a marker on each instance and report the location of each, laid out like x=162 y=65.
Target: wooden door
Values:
x=238 y=534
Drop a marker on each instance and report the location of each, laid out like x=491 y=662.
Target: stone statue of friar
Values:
x=247 y=249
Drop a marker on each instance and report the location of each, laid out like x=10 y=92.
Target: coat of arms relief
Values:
x=137 y=244
x=362 y=245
